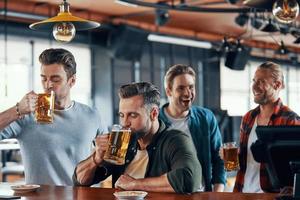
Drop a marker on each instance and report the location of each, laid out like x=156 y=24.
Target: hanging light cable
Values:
x=64 y=25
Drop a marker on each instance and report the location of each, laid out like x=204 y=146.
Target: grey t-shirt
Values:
x=50 y=152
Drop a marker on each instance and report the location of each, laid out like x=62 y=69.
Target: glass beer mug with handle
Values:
x=45 y=107
x=117 y=145
x=230 y=156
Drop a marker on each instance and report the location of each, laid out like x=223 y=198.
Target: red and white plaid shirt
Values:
x=282 y=115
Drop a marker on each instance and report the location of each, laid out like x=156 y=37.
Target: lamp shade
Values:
x=256 y=23
x=64 y=16
x=270 y=27
x=297 y=41
x=79 y=23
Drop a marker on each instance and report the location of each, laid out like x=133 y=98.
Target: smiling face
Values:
x=265 y=89
x=54 y=77
x=181 y=93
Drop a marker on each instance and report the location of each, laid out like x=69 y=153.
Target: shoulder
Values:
x=175 y=136
x=162 y=111
x=83 y=108
x=201 y=111
x=175 y=141
x=287 y=111
x=202 y=114
x=174 y=132
x=251 y=113
x=247 y=114
x=289 y=115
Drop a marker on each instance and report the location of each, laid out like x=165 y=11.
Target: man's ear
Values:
x=277 y=85
x=72 y=80
x=154 y=113
x=168 y=91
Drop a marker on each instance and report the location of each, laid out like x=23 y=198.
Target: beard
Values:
x=261 y=100
x=265 y=98
x=142 y=132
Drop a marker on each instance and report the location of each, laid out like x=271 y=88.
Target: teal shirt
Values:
x=207 y=139
x=170 y=152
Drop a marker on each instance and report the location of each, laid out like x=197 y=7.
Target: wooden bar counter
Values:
x=87 y=193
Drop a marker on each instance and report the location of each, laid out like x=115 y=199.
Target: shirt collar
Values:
x=277 y=105
x=157 y=135
x=165 y=118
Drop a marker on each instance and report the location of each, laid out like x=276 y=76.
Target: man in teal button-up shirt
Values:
x=196 y=121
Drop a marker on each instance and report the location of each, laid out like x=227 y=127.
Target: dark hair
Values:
x=148 y=91
x=177 y=70
x=59 y=56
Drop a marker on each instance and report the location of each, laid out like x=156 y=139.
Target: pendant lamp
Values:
x=64 y=25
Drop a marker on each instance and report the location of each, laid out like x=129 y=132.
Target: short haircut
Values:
x=59 y=56
x=275 y=69
x=148 y=91
x=177 y=70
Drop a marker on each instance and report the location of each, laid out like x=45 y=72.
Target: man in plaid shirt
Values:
x=268 y=81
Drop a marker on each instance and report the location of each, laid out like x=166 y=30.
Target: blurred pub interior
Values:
x=223 y=40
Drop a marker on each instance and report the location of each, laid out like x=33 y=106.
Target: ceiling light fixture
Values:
x=297 y=41
x=282 y=50
x=64 y=25
x=270 y=27
x=242 y=19
x=285 y=11
x=226 y=46
x=179 y=41
x=239 y=46
x=284 y=28
x=296 y=33
x=256 y=22
x=232 y=1
x=161 y=16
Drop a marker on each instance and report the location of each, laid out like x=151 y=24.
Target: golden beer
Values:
x=231 y=159
x=45 y=108
x=117 y=146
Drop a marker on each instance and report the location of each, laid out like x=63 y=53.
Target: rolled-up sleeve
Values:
x=101 y=174
x=184 y=175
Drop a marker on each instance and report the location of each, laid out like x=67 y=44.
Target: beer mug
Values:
x=45 y=108
x=117 y=145
x=231 y=159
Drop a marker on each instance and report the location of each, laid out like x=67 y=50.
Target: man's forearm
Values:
x=7 y=117
x=154 y=184
x=218 y=187
x=85 y=171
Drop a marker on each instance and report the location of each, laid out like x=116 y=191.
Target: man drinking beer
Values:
x=50 y=151
x=157 y=159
